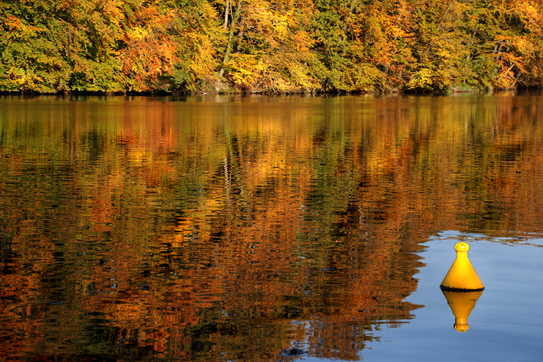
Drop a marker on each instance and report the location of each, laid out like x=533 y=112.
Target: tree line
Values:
x=269 y=46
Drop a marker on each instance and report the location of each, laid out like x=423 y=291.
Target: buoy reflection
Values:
x=461 y=303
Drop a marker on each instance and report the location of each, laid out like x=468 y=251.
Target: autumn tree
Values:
x=268 y=47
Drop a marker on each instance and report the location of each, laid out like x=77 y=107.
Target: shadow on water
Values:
x=150 y=229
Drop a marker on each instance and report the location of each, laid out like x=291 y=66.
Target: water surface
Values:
x=267 y=228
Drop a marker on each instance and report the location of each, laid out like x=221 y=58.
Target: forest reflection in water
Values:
x=244 y=228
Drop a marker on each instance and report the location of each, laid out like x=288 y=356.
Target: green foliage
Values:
x=279 y=46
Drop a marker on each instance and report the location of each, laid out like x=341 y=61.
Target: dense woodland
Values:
x=273 y=46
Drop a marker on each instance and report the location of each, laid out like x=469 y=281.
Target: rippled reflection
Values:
x=461 y=303
x=244 y=228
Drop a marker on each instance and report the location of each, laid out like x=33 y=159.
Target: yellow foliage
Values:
x=421 y=80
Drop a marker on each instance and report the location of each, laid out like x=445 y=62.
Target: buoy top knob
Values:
x=462 y=246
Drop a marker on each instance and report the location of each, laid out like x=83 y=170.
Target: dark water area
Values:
x=267 y=228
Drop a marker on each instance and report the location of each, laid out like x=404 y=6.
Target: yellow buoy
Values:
x=461 y=303
x=461 y=275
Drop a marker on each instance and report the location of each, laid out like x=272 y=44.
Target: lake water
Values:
x=269 y=228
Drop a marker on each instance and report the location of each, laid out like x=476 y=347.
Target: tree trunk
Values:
x=231 y=38
x=226 y=11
